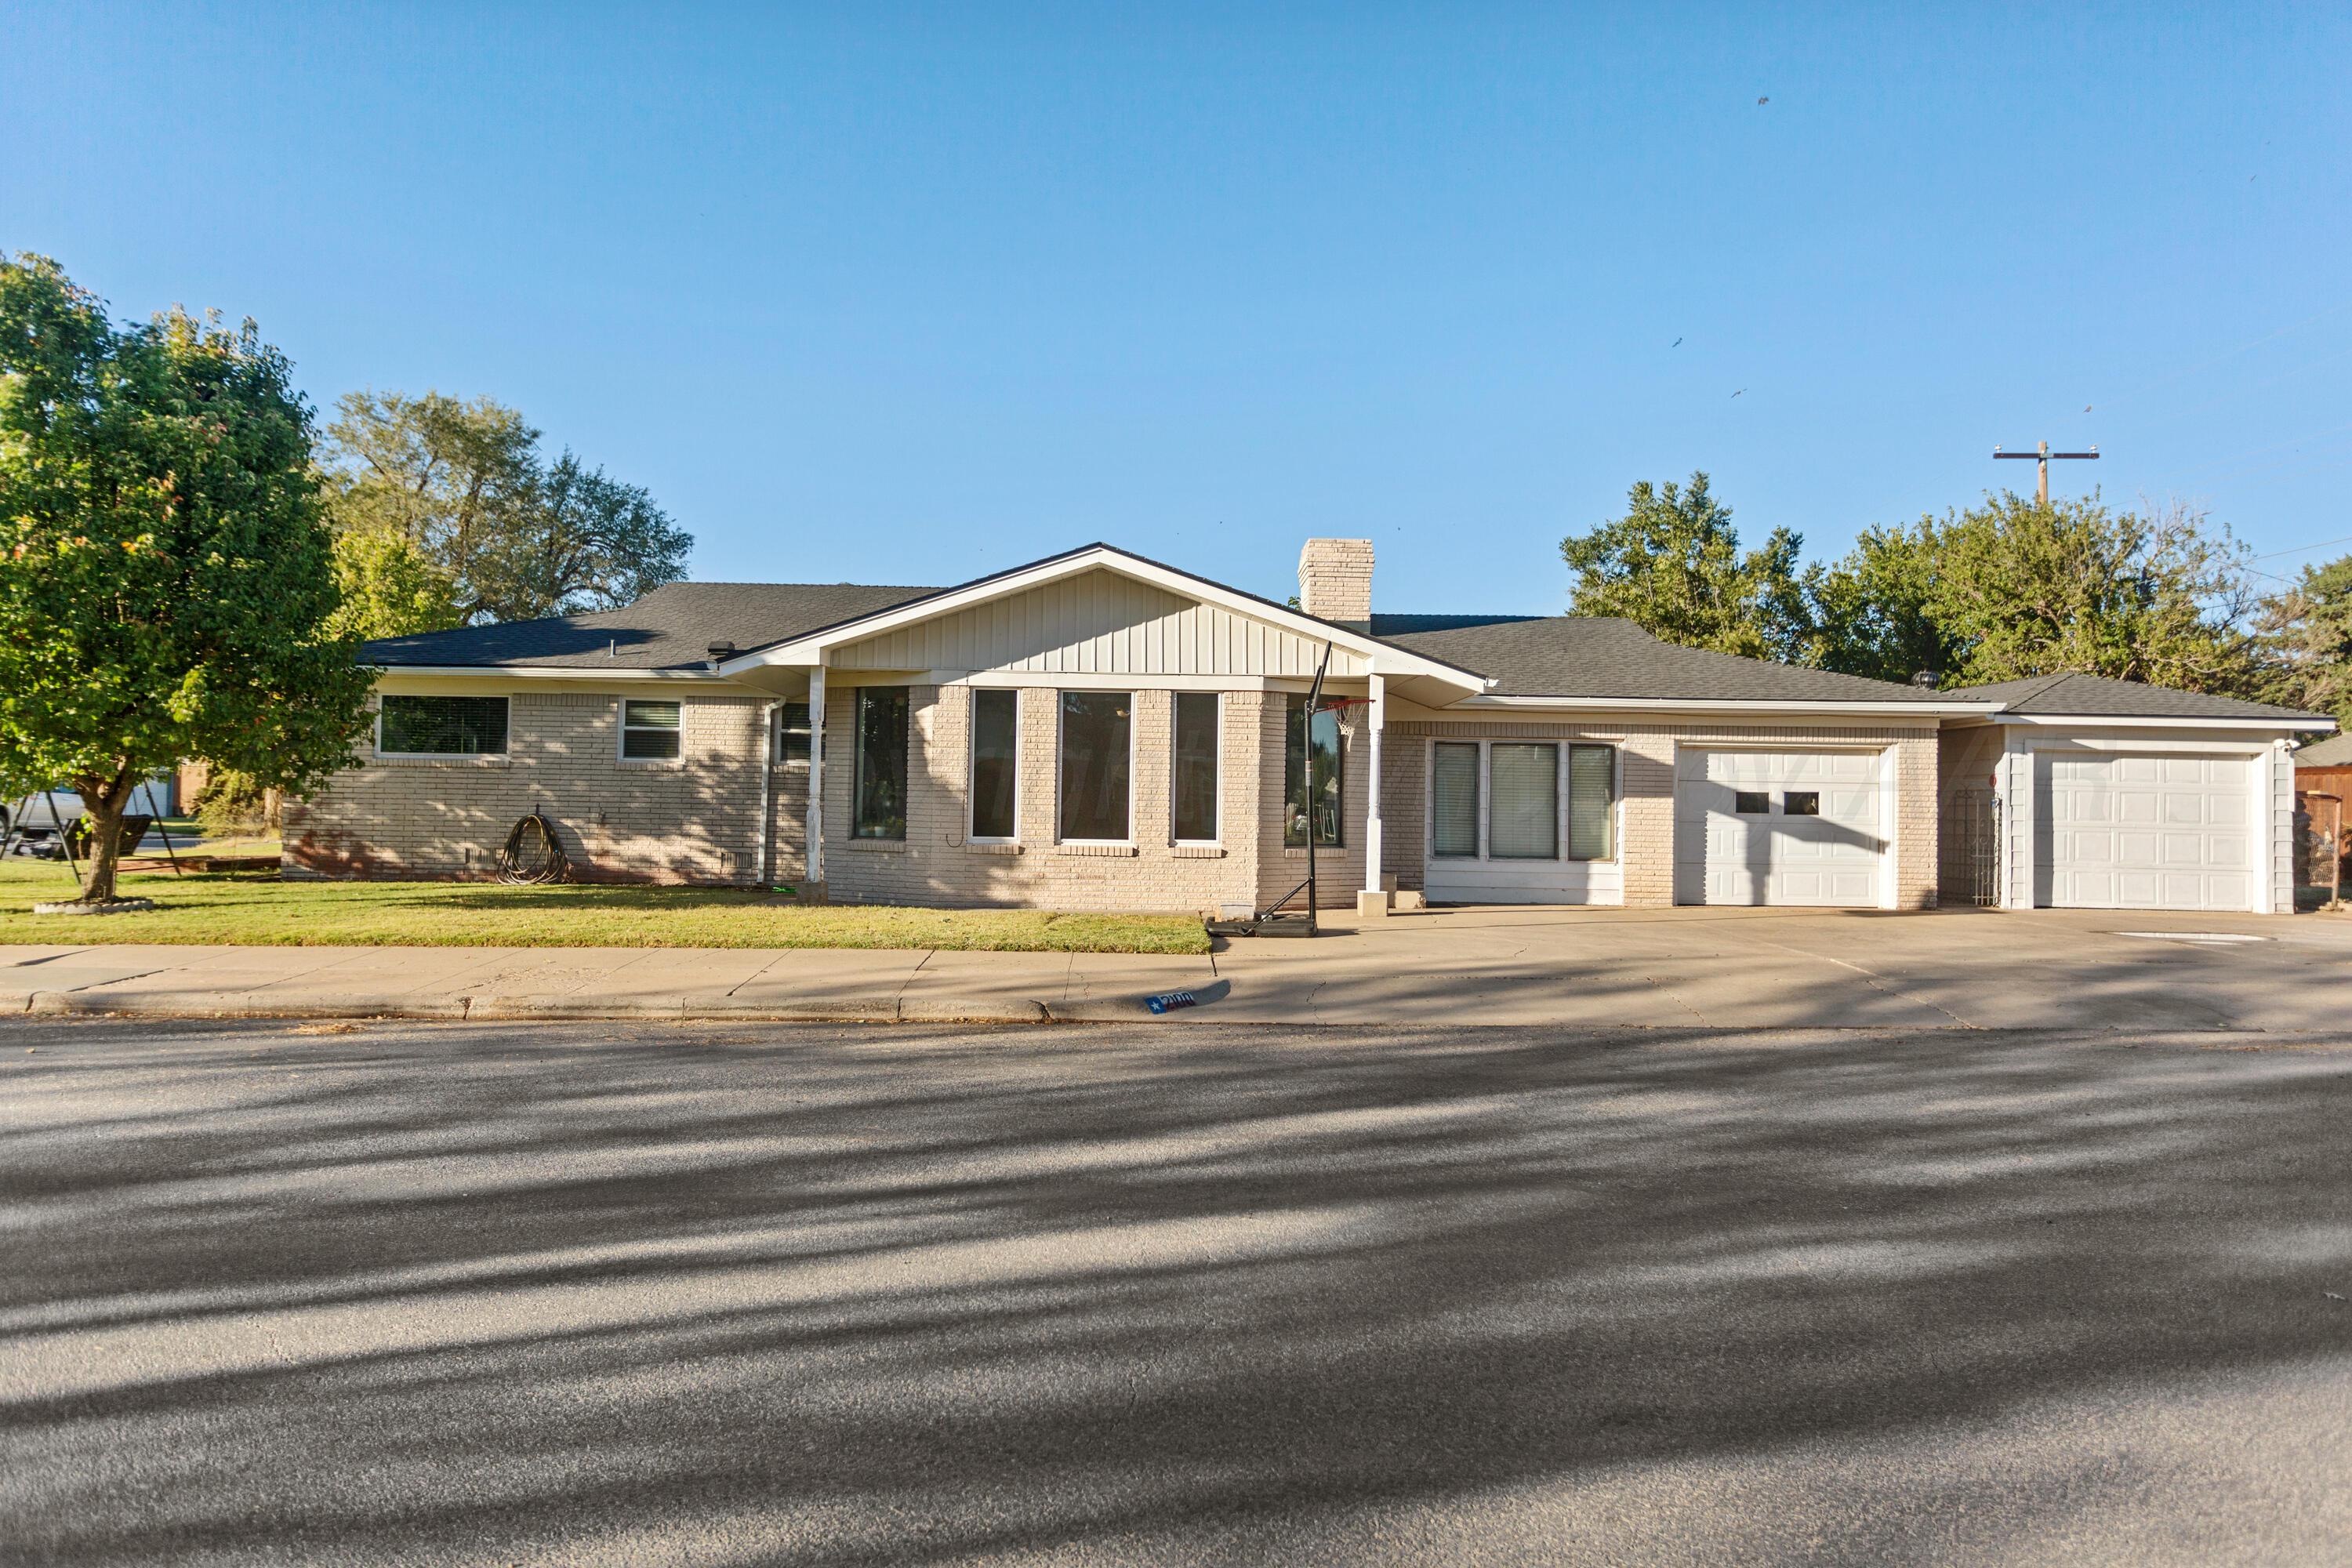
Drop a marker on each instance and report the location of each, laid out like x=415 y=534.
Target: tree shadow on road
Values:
x=922 y=1294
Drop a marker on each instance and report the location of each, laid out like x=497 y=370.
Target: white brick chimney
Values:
x=1335 y=581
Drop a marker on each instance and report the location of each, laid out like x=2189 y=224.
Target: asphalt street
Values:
x=599 y=1294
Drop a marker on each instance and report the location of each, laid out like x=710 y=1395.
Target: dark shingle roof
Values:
x=2336 y=751
x=1592 y=656
x=669 y=628
x=2078 y=696
x=1403 y=626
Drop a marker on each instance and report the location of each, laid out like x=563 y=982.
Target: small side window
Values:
x=649 y=731
x=1751 y=802
x=792 y=732
x=1801 y=803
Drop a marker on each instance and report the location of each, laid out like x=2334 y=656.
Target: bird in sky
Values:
x=1737 y=394
x=2086 y=408
x=1761 y=102
x=1675 y=344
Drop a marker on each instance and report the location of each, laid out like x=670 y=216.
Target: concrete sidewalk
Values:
x=1598 y=968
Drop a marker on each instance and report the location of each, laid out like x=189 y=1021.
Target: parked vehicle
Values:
x=41 y=814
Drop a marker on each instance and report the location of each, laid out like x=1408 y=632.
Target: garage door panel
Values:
x=1725 y=857
x=2146 y=831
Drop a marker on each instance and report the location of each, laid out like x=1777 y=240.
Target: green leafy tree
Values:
x=388 y=588
x=2307 y=630
x=1874 y=610
x=2017 y=588
x=514 y=537
x=1673 y=565
x=165 y=581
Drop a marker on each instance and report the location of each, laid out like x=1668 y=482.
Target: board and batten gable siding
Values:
x=1100 y=623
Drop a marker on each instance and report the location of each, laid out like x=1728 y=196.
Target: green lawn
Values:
x=251 y=910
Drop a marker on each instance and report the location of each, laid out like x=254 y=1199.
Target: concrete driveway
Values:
x=1596 y=968
x=631 y=1295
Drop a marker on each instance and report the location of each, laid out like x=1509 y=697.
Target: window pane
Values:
x=792 y=732
x=1196 y=766
x=1454 y=800
x=1523 y=819
x=452 y=726
x=881 y=781
x=1592 y=784
x=1751 y=802
x=1329 y=801
x=1094 y=763
x=995 y=750
x=1801 y=803
x=650 y=729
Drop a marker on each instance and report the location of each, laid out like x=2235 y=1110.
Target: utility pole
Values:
x=2042 y=455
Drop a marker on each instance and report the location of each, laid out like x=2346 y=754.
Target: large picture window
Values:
x=1522 y=820
x=879 y=782
x=649 y=731
x=1196 y=767
x=1097 y=733
x=1454 y=799
x=995 y=763
x=442 y=727
x=1321 y=738
x=1502 y=800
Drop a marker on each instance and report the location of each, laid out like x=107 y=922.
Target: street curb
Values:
x=552 y=1010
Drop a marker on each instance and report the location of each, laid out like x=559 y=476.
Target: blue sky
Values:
x=908 y=294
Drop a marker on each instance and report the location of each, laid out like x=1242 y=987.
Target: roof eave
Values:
x=2297 y=722
x=1732 y=705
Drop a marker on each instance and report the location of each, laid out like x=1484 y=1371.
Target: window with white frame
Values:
x=1591 y=803
x=1519 y=800
x=442 y=727
x=995 y=765
x=791 y=731
x=1194 y=769
x=1098 y=752
x=1454 y=800
x=650 y=730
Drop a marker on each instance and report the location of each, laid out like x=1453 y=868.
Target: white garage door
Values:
x=2144 y=833
x=1779 y=827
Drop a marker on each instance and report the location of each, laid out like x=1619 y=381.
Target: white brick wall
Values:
x=1647 y=775
x=935 y=865
x=692 y=820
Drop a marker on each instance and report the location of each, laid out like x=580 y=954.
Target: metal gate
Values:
x=1970 y=850
x=2319 y=844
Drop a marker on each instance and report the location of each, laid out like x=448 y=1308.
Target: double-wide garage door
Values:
x=1779 y=827
x=2134 y=832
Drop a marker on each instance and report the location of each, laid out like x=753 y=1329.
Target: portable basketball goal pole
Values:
x=1307 y=781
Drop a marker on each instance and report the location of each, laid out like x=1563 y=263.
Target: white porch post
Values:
x=1373 y=895
x=816 y=777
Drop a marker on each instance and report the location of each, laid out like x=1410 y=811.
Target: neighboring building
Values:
x=2323 y=767
x=1098 y=731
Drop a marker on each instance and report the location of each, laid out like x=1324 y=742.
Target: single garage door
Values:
x=1779 y=827
x=2138 y=832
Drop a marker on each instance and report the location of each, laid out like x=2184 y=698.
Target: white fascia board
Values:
x=1384 y=660
x=1720 y=705
x=544 y=673
x=2110 y=721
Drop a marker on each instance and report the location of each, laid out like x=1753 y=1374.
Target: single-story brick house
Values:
x=1099 y=731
